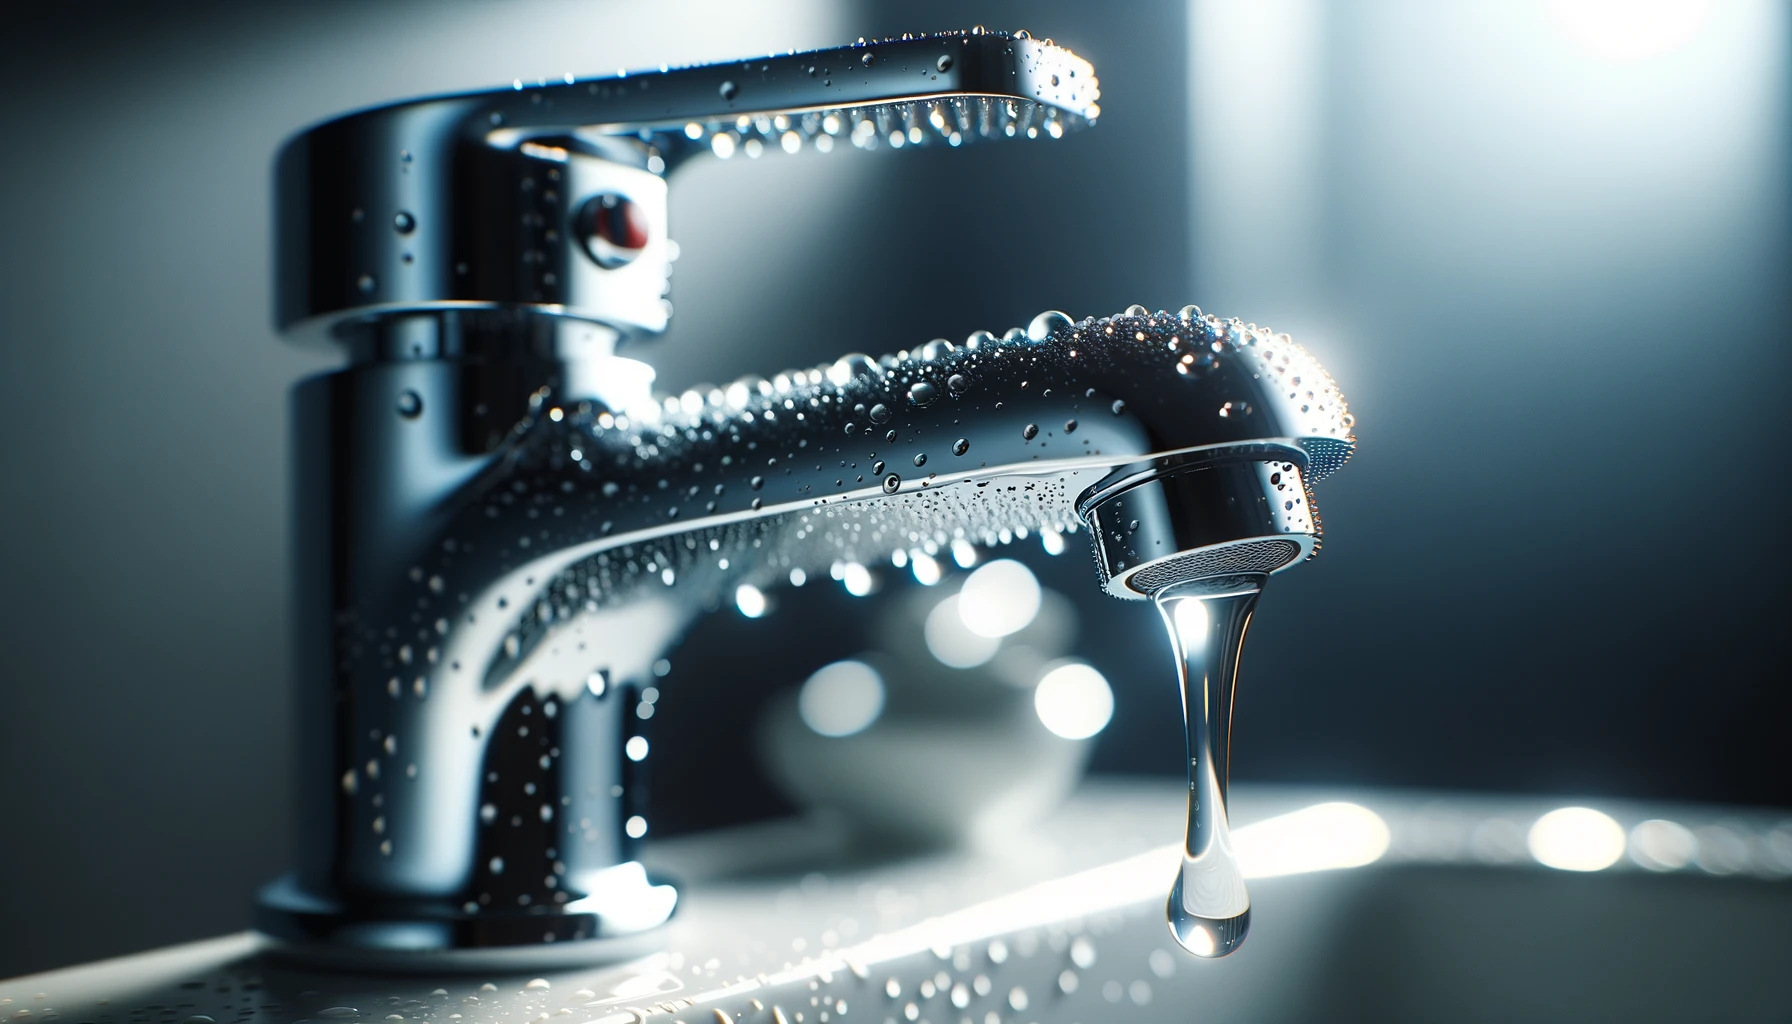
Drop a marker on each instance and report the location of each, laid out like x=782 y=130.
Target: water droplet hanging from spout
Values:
x=1209 y=910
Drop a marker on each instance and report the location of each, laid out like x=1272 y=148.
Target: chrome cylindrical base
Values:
x=617 y=921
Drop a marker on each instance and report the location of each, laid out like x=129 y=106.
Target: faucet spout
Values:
x=494 y=615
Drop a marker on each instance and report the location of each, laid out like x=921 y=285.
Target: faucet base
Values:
x=620 y=921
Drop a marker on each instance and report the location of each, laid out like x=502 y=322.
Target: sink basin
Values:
x=1446 y=917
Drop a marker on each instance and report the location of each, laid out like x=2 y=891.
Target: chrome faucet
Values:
x=500 y=528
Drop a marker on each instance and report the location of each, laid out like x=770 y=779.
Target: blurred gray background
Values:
x=1545 y=247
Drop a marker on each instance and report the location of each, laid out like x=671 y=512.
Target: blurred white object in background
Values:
x=966 y=723
x=841 y=699
x=1000 y=598
x=1073 y=700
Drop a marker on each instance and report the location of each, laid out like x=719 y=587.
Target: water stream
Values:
x=1209 y=910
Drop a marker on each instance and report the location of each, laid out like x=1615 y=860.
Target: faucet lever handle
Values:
x=951 y=87
x=550 y=197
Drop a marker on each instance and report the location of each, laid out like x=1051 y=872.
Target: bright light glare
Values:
x=1073 y=700
x=841 y=699
x=926 y=570
x=1318 y=838
x=951 y=641
x=636 y=748
x=1052 y=541
x=750 y=600
x=1661 y=845
x=999 y=599
x=1576 y=839
x=1357 y=831
x=856 y=578
x=624 y=894
x=1629 y=30
x=1190 y=615
x=964 y=553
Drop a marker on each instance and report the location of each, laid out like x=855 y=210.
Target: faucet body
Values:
x=500 y=528
x=478 y=621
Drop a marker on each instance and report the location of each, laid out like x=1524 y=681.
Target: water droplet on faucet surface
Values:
x=1045 y=323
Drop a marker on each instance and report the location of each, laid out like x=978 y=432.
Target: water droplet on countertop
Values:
x=944 y=63
x=1119 y=406
x=728 y=90
x=403 y=222
x=957 y=383
x=960 y=446
x=1030 y=431
x=921 y=459
x=892 y=483
x=922 y=393
x=880 y=413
